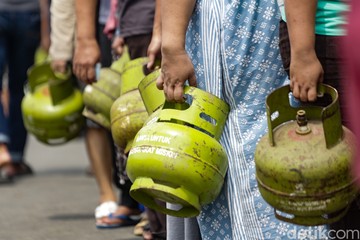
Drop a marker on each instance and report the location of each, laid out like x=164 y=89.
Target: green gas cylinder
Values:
x=176 y=156
x=303 y=163
x=52 y=106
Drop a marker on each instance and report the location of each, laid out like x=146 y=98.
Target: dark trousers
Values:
x=19 y=38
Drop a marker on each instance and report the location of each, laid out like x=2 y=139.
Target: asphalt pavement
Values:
x=58 y=201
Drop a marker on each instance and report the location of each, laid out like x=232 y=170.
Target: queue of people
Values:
x=239 y=51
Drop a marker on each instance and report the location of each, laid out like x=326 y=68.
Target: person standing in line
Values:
x=142 y=38
x=98 y=140
x=310 y=40
x=136 y=33
x=238 y=60
x=24 y=26
x=87 y=54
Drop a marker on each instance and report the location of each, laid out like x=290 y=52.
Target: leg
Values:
x=156 y=228
x=24 y=38
x=99 y=150
x=128 y=207
x=4 y=135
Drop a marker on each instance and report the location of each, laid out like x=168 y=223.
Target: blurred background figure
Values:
x=138 y=30
x=136 y=19
x=98 y=139
x=24 y=26
x=352 y=75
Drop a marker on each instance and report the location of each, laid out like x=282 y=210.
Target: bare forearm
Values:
x=87 y=52
x=305 y=68
x=154 y=49
x=175 y=17
x=45 y=19
x=157 y=19
x=85 y=19
x=300 y=17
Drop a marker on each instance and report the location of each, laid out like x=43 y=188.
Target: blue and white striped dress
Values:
x=234 y=49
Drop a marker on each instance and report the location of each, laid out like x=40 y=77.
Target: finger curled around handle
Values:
x=312 y=94
x=160 y=83
x=90 y=75
x=296 y=91
x=169 y=92
x=179 y=92
x=80 y=73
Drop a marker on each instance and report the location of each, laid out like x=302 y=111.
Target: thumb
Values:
x=150 y=64
x=160 y=83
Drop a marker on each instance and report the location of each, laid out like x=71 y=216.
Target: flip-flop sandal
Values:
x=105 y=209
x=4 y=178
x=17 y=170
x=124 y=221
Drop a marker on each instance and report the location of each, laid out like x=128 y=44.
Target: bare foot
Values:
x=5 y=157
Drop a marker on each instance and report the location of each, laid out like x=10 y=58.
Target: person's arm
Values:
x=305 y=68
x=176 y=66
x=62 y=33
x=154 y=49
x=118 y=43
x=87 y=51
x=45 y=24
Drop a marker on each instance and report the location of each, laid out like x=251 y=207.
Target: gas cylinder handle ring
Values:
x=206 y=111
x=278 y=101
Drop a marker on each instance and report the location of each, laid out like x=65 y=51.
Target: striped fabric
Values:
x=234 y=49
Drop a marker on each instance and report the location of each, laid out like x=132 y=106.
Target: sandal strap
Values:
x=105 y=209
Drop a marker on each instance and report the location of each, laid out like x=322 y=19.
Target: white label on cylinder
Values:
x=153 y=138
x=154 y=150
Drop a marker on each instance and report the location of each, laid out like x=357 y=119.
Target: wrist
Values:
x=303 y=53
x=117 y=32
x=85 y=39
x=172 y=48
